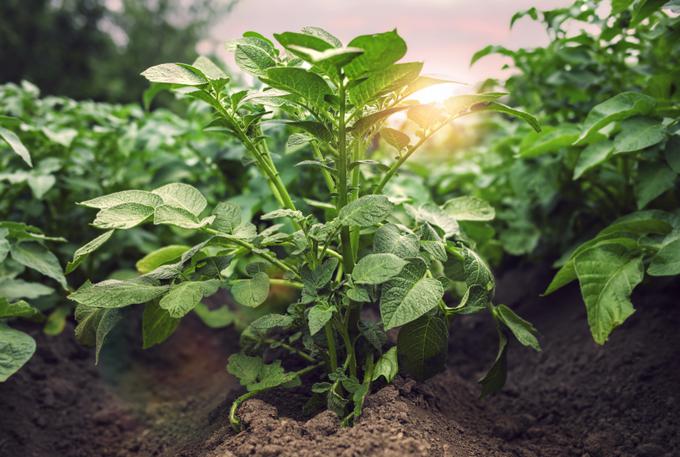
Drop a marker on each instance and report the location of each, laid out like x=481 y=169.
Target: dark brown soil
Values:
x=573 y=399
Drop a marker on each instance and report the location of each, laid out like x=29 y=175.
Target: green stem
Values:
x=289 y=348
x=285 y=282
x=332 y=351
x=347 y=255
x=326 y=174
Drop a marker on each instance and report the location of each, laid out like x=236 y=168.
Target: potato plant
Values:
x=364 y=263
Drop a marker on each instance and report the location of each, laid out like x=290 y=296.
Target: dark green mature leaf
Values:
x=114 y=293
x=318 y=278
x=227 y=217
x=261 y=326
x=16 y=348
x=391 y=239
x=607 y=276
x=672 y=153
x=593 y=155
x=18 y=309
x=310 y=86
x=523 y=330
x=550 y=139
x=494 y=379
x=94 y=324
x=365 y=211
x=638 y=133
x=432 y=243
x=469 y=208
x=422 y=346
x=666 y=262
x=365 y=124
x=16 y=145
x=172 y=73
x=380 y=51
x=654 y=178
x=13 y=289
x=56 y=320
x=436 y=216
x=157 y=325
x=383 y=81
x=387 y=366
x=617 y=108
x=319 y=315
x=183 y=297
x=37 y=257
x=377 y=268
x=410 y=295
x=251 y=292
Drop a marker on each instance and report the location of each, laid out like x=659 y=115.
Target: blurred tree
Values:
x=96 y=48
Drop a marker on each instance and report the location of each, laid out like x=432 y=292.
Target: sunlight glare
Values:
x=434 y=94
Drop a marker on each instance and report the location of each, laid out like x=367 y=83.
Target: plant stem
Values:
x=332 y=351
x=285 y=282
x=326 y=174
x=289 y=348
x=347 y=255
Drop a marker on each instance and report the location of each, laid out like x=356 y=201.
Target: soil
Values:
x=573 y=399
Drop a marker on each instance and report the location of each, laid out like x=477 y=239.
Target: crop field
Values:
x=302 y=245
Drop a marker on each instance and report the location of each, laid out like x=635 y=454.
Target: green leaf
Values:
x=282 y=213
x=311 y=87
x=114 y=293
x=380 y=51
x=261 y=326
x=251 y=292
x=297 y=142
x=432 y=243
x=16 y=145
x=607 y=276
x=366 y=211
x=37 y=257
x=16 y=348
x=384 y=81
x=408 y=296
x=157 y=325
x=593 y=155
x=617 y=108
x=140 y=197
x=462 y=103
x=94 y=325
x=172 y=73
x=253 y=56
x=255 y=375
x=40 y=184
x=319 y=315
x=426 y=116
x=56 y=320
x=387 y=366
x=18 y=309
x=377 y=268
x=87 y=249
x=183 y=297
x=469 y=208
x=323 y=34
x=316 y=279
x=182 y=196
x=501 y=108
x=654 y=178
x=395 y=138
x=523 y=330
x=215 y=318
x=550 y=139
x=391 y=239
x=179 y=217
x=329 y=60
x=227 y=217
x=494 y=379
x=422 y=346
x=159 y=257
x=434 y=215
x=672 y=153
x=124 y=216
x=365 y=124
x=209 y=69
x=666 y=262
x=488 y=50
x=638 y=133
x=13 y=289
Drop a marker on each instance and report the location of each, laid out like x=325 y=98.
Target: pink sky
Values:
x=442 y=33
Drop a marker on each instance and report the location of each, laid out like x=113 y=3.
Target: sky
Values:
x=444 y=34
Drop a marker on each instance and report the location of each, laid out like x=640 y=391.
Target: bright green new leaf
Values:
x=215 y=318
x=37 y=257
x=666 y=262
x=366 y=211
x=85 y=250
x=182 y=196
x=179 y=217
x=461 y=103
x=319 y=315
x=183 y=297
x=18 y=309
x=251 y=292
x=16 y=145
x=469 y=208
x=16 y=348
x=607 y=276
x=318 y=277
x=123 y=216
x=172 y=73
x=254 y=56
x=160 y=256
x=408 y=296
x=227 y=217
x=384 y=81
x=209 y=69
x=114 y=293
x=380 y=51
x=387 y=366
x=391 y=239
x=311 y=87
x=256 y=375
x=56 y=320
x=140 y=197
x=395 y=138
x=617 y=108
x=422 y=346
x=377 y=268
